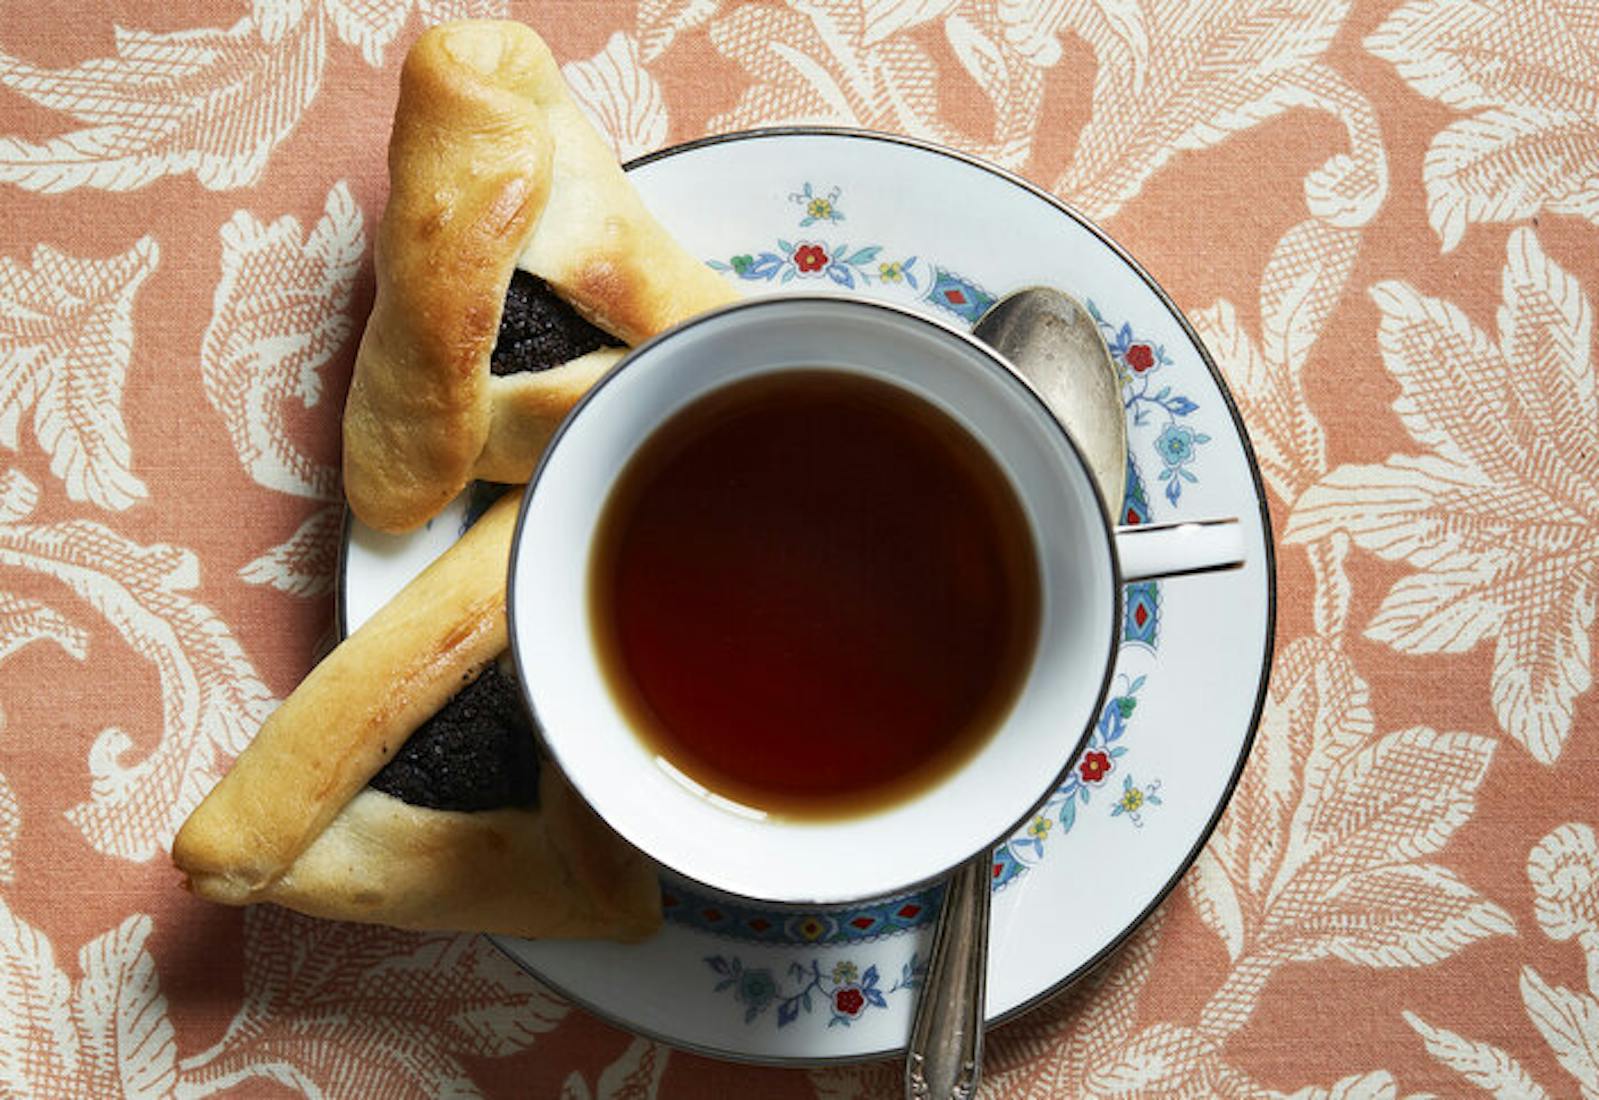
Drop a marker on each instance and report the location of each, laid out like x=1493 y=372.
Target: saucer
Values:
x=928 y=228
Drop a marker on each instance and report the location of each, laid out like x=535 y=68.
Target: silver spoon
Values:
x=1055 y=345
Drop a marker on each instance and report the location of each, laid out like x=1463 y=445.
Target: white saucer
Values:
x=923 y=226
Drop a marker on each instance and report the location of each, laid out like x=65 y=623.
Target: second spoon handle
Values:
x=946 y=1047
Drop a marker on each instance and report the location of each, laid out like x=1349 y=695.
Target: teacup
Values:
x=900 y=833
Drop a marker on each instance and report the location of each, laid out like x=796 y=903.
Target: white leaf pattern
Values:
x=1569 y=1023
x=1168 y=1060
x=18 y=496
x=275 y=18
x=1498 y=517
x=109 y=1037
x=22 y=623
x=811 y=65
x=1563 y=868
x=211 y=700
x=620 y=97
x=635 y=1075
x=1323 y=843
x=1115 y=28
x=1223 y=68
x=442 y=11
x=1531 y=70
x=1012 y=84
x=1056 y=1051
x=1379 y=1085
x=279 y=315
x=1317 y=714
x=371 y=26
x=1485 y=1066
x=66 y=336
x=368 y=25
x=10 y=831
x=412 y=1004
x=121 y=1016
x=211 y=102
x=1402 y=916
x=1211 y=894
x=305 y=564
x=1398 y=798
x=815 y=63
x=1302 y=283
x=214 y=102
x=885 y=18
x=660 y=22
x=39 y=1050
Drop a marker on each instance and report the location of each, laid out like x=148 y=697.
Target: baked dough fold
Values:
x=293 y=821
x=491 y=165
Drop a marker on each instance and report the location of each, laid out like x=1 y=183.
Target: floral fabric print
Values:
x=1382 y=219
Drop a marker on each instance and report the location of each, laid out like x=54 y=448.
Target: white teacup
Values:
x=1082 y=565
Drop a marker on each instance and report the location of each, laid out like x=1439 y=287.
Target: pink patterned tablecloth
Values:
x=1380 y=217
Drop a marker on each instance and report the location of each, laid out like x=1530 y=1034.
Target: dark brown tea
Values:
x=814 y=593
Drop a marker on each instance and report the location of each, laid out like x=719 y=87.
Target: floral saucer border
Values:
x=857 y=994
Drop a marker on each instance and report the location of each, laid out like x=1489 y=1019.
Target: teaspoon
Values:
x=1055 y=345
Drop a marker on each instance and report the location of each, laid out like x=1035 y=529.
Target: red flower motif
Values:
x=1093 y=767
x=810 y=258
x=849 y=1001
x=1140 y=357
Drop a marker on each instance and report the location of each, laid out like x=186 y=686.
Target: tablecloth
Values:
x=1379 y=217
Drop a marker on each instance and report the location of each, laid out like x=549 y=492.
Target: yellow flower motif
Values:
x=819 y=209
x=1132 y=799
x=1040 y=827
x=891 y=272
x=844 y=973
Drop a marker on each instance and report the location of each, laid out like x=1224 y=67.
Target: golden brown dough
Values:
x=293 y=820
x=552 y=872
x=469 y=173
x=527 y=407
x=491 y=163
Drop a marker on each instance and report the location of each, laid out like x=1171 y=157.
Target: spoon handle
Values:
x=946 y=1047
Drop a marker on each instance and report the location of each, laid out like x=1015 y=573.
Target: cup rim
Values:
x=994 y=361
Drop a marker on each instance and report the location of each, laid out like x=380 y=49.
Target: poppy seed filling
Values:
x=478 y=752
x=539 y=330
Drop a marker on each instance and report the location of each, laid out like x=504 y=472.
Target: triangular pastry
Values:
x=399 y=783
x=492 y=167
x=296 y=821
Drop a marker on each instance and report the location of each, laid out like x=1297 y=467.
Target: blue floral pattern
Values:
x=1140 y=364
x=1102 y=757
x=819 y=260
x=846 y=991
x=1135 y=800
x=860 y=924
x=853 y=267
x=818 y=207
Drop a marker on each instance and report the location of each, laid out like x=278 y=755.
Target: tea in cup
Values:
x=813 y=598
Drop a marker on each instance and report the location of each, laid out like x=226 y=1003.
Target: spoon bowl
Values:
x=1054 y=343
